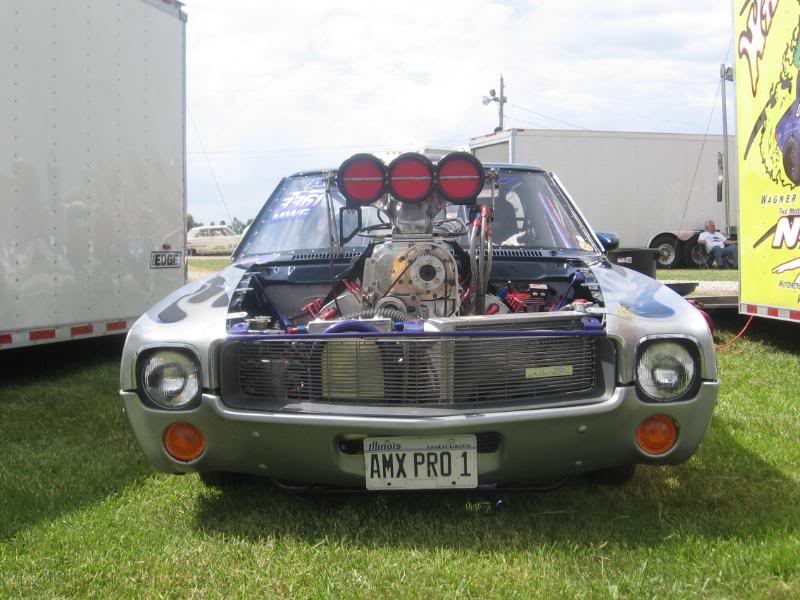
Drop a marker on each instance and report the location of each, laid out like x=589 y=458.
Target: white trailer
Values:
x=654 y=189
x=92 y=165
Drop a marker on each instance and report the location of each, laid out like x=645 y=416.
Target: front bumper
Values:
x=536 y=444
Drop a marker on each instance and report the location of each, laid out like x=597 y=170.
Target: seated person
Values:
x=718 y=245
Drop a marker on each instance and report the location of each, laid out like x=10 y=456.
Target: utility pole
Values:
x=725 y=74
x=501 y=100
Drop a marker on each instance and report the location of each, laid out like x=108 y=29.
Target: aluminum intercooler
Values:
x=397 y=370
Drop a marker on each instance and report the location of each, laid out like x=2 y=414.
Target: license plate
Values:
x=165 y=260
x=421 y=463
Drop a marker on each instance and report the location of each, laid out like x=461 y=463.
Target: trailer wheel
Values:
x=693 y=255
x=668 y=247
x=791 y=160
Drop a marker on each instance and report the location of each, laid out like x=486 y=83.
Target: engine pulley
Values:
x=428 y=272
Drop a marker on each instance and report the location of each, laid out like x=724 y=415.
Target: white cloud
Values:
x=280 y=86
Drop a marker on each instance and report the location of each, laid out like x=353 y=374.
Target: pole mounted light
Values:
x=501 y=100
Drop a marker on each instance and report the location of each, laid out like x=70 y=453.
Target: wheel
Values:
x=191 y=252
x=791 y=160
x=612 y=476
x=693 y=255
x=668 y=255
x=220 y=479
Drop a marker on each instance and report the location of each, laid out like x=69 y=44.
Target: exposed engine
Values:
x=416 y=277
x=415 y=270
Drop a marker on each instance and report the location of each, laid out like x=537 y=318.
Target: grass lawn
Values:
x=83 y=515
x=203 y=265
x=697 y=275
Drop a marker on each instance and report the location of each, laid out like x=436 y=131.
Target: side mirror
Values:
x=610 y=241
x=349 y=220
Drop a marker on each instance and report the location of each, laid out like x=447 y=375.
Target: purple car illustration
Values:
x=787 y=136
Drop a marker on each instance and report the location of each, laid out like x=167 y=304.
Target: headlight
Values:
x=170 y=378
x=666 y=370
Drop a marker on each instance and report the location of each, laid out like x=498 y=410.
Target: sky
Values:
x=275 y=87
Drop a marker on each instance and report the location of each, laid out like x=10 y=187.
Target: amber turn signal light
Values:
x=657 y=434
x=184 y=441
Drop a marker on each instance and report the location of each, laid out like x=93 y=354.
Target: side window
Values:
x=203 y=233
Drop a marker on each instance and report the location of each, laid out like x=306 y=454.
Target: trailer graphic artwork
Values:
x=768 y=126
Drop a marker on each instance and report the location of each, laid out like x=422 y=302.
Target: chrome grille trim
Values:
x=565 y=324
x=442 y=372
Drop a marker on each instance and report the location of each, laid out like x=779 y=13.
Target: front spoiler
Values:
x=537 y=444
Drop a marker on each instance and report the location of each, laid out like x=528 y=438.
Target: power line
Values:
x=530 y=110
x=210 y=168
x=705 y=137
x=513 y=118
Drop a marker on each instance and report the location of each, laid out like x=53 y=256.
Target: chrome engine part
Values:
x=420 y=274
x=391 y=303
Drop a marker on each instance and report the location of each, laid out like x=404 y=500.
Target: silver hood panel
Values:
x=192 y=316
x=639 y=307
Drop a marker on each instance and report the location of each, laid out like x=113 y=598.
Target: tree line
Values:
x=236 y=225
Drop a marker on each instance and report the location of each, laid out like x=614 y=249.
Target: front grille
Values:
x=404 y=371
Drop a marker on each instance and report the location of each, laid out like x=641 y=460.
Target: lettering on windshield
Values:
x=316 y=183
x=296 y=205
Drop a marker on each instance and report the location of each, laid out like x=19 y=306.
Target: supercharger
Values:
x=413 y=270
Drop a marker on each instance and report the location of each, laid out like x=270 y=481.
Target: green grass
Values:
x=697 y=274
x=202 y=265
x=83 y=515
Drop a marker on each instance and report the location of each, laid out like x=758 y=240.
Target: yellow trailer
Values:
x=767 y=74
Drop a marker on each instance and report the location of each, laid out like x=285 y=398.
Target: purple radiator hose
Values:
x=352 y=326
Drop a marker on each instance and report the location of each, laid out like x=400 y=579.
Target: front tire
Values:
x=668 y=254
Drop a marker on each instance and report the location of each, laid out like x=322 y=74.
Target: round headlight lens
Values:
x=171 y=378
x=665 y=370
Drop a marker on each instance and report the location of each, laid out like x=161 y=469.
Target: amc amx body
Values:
x=419 y=326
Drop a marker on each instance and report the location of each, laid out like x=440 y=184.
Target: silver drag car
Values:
x=419 y=326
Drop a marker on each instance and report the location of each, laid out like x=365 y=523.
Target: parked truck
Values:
x=92 y=165
x=654 y=189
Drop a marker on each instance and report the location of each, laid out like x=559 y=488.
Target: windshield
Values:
x=296 y=219
x=530 y=211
